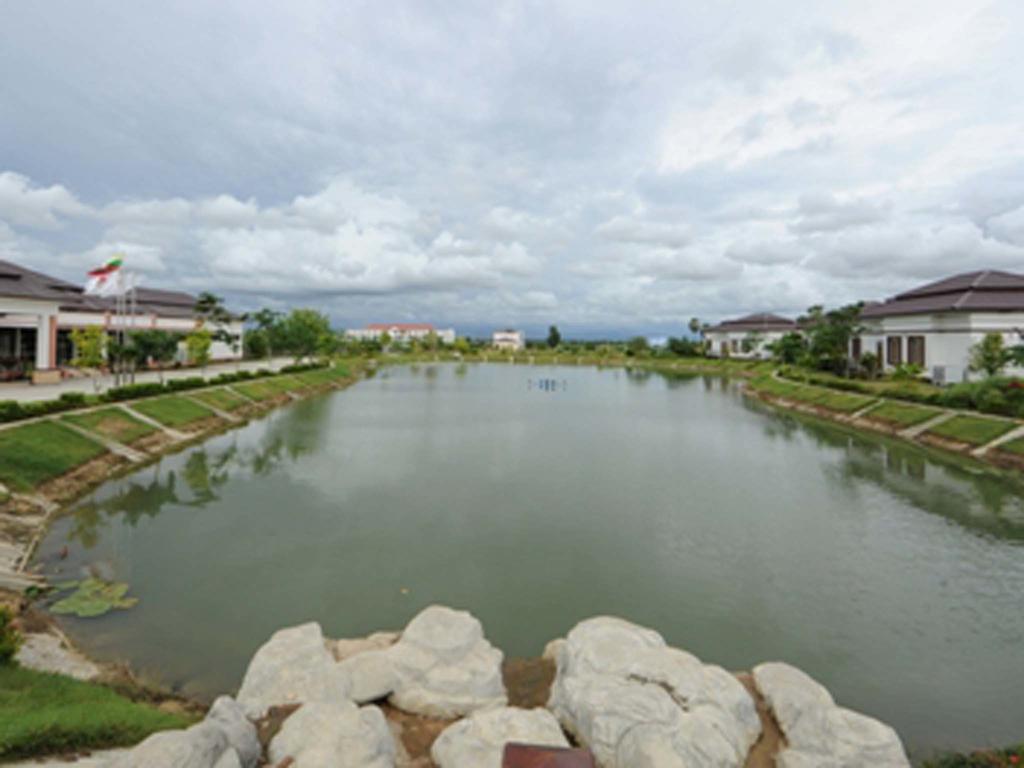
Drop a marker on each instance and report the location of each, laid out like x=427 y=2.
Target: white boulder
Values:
x=334 y=734
x=293 y=667
x=371 y=675
x=225 y=739
x=444 y=667
x=637 y=703
x=479 y=740
x=819 y=733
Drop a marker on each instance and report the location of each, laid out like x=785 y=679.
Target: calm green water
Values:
x=741 y=534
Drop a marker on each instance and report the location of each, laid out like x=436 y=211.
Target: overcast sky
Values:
x=596 y=165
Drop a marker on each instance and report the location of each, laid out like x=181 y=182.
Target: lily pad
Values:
x=95 y=597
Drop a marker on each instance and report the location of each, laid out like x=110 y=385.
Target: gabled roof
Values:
x=757 y=322
x=986 y=290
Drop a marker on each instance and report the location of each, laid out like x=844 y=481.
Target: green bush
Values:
x=11 y=410
x=10 y=638
x=73 y=399
x=192 y=382
x=132 y=391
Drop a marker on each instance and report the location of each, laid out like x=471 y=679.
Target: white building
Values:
x=510 y=340
x=748 y=337
x=38 y=312
x=401 y=333
x=935 y=326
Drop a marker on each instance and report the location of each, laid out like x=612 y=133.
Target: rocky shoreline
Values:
x=440 y=694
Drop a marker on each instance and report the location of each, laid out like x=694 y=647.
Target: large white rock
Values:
x=479 y=740
x=819 y=733
x=47 y=653
x=334 y=734
x=371 y=675
x=225 y=739
x=293 y=667
x=637 y=703
x=444 y=667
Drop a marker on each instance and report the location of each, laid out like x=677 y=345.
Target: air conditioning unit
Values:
x=948 y=374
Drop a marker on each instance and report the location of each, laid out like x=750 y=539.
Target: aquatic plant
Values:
x=93 y=597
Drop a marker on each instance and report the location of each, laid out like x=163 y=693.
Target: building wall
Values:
x=948 y=338
x=401 y=336
x=734 y=341
x=510 y=340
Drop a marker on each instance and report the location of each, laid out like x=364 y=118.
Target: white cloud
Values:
x=26 y=205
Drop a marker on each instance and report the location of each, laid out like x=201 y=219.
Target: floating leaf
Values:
x=95 y=597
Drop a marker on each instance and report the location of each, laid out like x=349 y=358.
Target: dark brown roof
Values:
x=982 y=291
x=21 y=283
x=761 y=321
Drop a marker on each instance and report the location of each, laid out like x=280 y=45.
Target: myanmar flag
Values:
x=106 y=280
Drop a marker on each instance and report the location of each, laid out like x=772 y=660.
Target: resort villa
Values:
x=748 y=337
x=509 y=340
x=38 y=312
x=401 y=333
x=934 y=326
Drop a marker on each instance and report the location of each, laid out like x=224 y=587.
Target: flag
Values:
x=107 y=280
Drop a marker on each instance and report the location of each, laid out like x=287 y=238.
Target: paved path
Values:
x=25 y=391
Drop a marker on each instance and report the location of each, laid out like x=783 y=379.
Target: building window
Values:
x=915 y=350
x=855 y=352
x=894 y=350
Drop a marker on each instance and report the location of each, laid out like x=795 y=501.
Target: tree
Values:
x=159 y=347
x=462 y=345
x=695 y=326
x=216 y=319
x=683 y=347
x=198 y=345
x=554 y=337
x=304 y=330
x=90 y=346
x=431 y=341
x=268 y=324
x=637 y=346
x=752 y=341
x=990 y=355
x=790 y=348
x=829 y=334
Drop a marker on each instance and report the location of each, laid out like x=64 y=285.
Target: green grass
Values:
x=221 y=399
x=972 y=429
x=37 y=452
x=112 y=423
x=172 y=411
x=42 y=714
x=902 y=415
x=844 y=402
x=264 y=389
x=322 y=375
x=1015 y=446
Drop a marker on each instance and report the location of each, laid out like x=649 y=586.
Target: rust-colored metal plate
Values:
x=527 y=756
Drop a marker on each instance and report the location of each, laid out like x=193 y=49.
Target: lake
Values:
x=537 y=496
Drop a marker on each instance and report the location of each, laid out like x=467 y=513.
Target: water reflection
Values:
x=977 y=498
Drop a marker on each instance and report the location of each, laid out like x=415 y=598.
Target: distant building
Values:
x=748 y=337
x=511 y=340
x=401 y=333
x=934 y=326
x=38 y=312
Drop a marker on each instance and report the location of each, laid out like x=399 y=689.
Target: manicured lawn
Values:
x=902 y=414
x=172 y=411
x=264 y=389
x=34 y=453
x=1013 y=446
x=972 y=429
x=42 y=714
x=844 y=402
x=222 y=399
x=322 y=375
x=774 y=386
x=113 y=423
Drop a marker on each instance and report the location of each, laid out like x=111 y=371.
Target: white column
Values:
x=43 y=361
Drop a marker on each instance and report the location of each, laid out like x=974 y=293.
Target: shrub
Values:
x=10 y=638
x=132 y=391
x=11 y=410
x=192 y=382
x=302 y=367
x=73 y=399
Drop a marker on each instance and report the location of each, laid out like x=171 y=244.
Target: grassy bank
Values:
x=172 y=411
x=44 y=714
x=32 y=454
x=113 y=423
